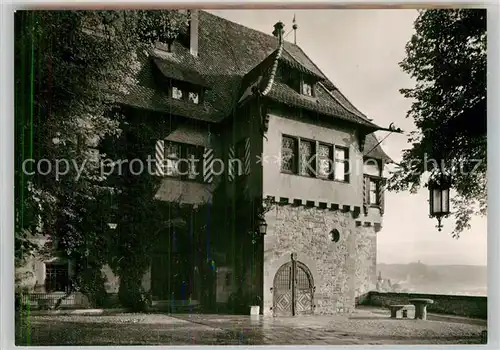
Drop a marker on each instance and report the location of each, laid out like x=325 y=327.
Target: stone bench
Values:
x=402 y=307
x=421 y=307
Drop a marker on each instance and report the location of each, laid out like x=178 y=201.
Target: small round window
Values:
x=335 y=235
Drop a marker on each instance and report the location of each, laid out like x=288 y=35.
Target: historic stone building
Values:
x=279 y=145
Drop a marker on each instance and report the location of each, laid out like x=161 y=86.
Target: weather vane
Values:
x=295 y=26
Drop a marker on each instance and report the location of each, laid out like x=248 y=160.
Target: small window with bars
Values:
x=289 y=154
x=325 y=161
x=307 y=158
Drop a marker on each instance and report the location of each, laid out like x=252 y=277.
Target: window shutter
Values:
x=159 y=158
x=230 y=173
x=208 y=160
x=381 y=190
x=247 y=156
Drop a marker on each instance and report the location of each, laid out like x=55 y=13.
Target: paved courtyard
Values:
x=367 y=326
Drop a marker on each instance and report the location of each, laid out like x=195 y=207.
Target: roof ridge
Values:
x=302 y=65
x=243 y=26
x=314 y=64
x=327 y=79
x=343 y=95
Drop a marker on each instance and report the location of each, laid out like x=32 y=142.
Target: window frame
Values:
x=316 y=162
x=379 y=181
x=295 y=153
x=186 y=89
x=51 y=278
x=183 y=155
x=313 y=158
x=306 y=80
x=167 y=158
x=376 y=183
x=331 y=149
x=345 y=161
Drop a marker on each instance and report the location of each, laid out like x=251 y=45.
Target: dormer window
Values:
x=307 y=89
x=186 y=93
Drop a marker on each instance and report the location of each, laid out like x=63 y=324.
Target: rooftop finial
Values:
x=278 y=31
x=295 y=26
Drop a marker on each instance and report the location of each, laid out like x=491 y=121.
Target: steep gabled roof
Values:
x=231 y=59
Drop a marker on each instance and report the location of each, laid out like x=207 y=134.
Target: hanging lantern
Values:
x=262 y=225
x=439 y=198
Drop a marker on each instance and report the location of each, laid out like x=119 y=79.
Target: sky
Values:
x=359 y=51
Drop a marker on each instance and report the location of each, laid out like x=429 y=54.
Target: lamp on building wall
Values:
x=262 y=225
x=439 y=198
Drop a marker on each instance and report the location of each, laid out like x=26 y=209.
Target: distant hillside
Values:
x=437 y=279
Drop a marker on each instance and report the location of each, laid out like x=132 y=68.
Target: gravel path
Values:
x=157 y=329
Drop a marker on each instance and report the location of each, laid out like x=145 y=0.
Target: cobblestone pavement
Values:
x=361 y=328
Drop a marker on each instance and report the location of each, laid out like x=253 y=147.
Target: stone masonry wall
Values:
x=341 y=270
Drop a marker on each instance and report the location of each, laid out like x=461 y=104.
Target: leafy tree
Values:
x=69 y=65
x=447 y=58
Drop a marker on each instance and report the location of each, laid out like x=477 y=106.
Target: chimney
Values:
x=278 y=31
x=193 y=32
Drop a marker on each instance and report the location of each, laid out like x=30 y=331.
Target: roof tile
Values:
x=231 y=58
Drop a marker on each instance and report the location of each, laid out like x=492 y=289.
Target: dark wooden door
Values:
x=303 y=294
x=293 y=290
x=172 y=267
x=282 y=291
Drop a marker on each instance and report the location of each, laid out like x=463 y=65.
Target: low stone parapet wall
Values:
x=460 y=305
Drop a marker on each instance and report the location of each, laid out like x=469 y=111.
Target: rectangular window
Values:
x=373 y=192
x=289 y=154
x=183 y=161
x=193 y=161
x=177 y=93
x=172 y=156
x=307 y=159
x=307 y=89
x=341 y=172
x=325 y=161
x=194 y=97
x=56 y=277
x=314 y=159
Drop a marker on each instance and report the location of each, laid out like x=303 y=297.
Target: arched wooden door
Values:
x=293 y=290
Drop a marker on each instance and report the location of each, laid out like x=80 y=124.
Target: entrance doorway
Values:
x=293 y=290
x=172 y=267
